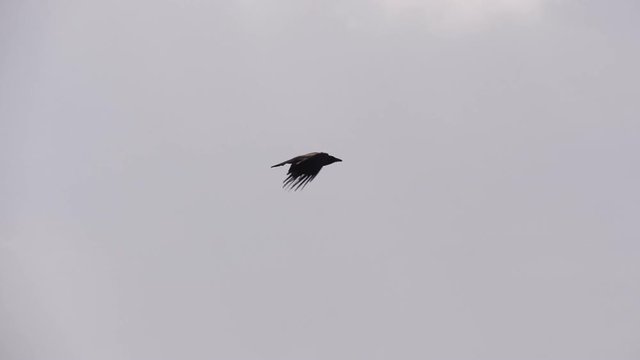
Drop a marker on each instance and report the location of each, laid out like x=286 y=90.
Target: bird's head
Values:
x=331 y=159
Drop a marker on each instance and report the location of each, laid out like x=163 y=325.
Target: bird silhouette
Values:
x=305 y=168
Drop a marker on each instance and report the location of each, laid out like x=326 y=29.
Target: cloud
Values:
x=460 y=15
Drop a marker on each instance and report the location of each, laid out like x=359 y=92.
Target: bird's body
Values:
x=305 y=168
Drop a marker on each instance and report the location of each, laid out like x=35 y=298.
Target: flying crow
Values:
x=305 y=168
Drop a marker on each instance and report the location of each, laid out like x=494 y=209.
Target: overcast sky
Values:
x=487 y=207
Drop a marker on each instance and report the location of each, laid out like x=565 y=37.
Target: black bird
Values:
x=305 y=168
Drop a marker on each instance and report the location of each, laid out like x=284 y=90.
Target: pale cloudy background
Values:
x=488 y=205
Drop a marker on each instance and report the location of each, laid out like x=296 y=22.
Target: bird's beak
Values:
x=338 y=160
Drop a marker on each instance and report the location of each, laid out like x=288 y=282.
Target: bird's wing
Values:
x=297 y=182
x=296 y=159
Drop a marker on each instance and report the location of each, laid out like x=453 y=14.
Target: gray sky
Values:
x=487 y=206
